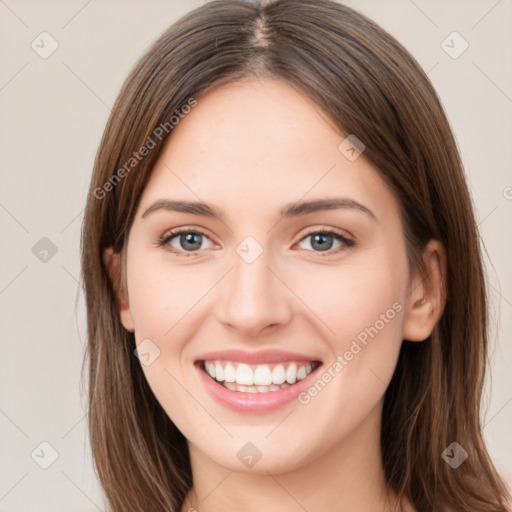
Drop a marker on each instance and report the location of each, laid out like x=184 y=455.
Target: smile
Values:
x=260 y=378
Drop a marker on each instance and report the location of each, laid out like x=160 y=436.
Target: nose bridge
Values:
x=253 y=298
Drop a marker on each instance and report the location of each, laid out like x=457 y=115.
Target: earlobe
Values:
x=427 y=295
x=112 y=262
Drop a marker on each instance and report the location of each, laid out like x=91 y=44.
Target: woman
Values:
x=285 y=296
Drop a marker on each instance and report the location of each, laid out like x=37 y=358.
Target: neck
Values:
x=347 y=477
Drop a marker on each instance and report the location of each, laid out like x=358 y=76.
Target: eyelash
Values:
x=168 y=236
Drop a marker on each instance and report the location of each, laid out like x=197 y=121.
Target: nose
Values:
x=253 y=300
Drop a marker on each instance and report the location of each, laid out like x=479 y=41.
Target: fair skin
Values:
x=249 y=148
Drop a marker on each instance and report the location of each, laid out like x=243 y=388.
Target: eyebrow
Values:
x=288 y=211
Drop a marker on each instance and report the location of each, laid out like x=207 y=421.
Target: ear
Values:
x=113 y=264
x=427 y=295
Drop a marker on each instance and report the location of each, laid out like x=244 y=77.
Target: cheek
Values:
x=162 y=296
x=350 y=298
x=164 y=302
x=363 y=307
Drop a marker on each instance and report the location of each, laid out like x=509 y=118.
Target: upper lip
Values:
x=260 y=357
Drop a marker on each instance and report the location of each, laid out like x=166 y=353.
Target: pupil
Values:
x=191 y=238
x=320 y=240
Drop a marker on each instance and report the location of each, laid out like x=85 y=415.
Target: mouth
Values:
x=257 y=378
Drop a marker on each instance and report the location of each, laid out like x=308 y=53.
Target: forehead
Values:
x=260 y=142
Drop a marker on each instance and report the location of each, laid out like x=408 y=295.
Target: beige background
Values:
x=53 y=114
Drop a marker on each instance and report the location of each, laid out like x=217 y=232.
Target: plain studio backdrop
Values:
x=55 y=98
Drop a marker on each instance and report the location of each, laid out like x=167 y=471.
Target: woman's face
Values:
x=251 y=272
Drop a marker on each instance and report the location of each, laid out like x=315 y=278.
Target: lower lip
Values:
x=254 y=402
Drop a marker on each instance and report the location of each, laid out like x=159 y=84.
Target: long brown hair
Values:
x=370 y=86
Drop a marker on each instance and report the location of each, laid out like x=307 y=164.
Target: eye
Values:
x=191 y=241
x=323 y=240
x=184 y=240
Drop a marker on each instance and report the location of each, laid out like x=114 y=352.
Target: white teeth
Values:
x=291 y=374
x=260 y=378
x=210 y=368
x=229 y=373
x=219 y=371
x=244 y=375
x=254 y=389
x=278 y=374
